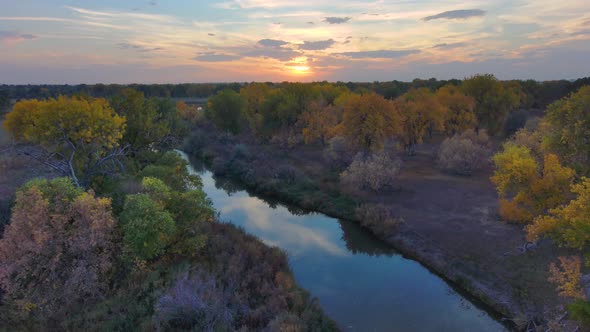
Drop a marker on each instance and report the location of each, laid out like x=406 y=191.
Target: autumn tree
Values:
x=493 y=101
x=226 y=111
x=79 y=137
x=568 y=225
x=526 y=187
x=460 y=114
x=369 y=120
x=58 y=250
x=419 y=110
x=569 y=129
x=255 y=94
x=146 y=126
x=567 y=276
x=320 y=122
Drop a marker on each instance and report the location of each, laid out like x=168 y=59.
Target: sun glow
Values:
x=300 y=69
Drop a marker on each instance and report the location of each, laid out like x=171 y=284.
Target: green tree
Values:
x=79 y=137
x=147 y=227
x=493 y=101
x=146 y=127
x=226 y=110
x=569 y=129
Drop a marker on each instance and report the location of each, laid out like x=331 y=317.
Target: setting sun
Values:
x=300 y=69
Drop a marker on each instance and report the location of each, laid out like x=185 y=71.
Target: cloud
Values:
x=381 y=54
x=272 y=43
x=317 y=45
x=153 y=3
x=336 y=20
x=461 y=14
x=138 y=48
x=278 y=53
x=14 y=37
x=445 y=46
x=214 y=57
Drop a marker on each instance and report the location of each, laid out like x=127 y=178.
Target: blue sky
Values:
x=82 y=41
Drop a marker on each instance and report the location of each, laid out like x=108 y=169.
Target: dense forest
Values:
x=119 y=235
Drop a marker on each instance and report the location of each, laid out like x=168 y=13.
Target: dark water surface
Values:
x=360 y=282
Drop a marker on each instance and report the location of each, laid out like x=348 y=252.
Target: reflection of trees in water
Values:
x=359 y=240
x=197 y=164
x=232 y=186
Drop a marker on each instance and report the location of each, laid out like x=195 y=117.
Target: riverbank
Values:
x=250 y=284
x=447 y=223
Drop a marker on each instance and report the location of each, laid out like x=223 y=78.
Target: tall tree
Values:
x=569 y=129
x=493 y=101
x=369 y=120
x=146 y=126
x=226 y=110
x=80 y=137
x=420 y=110
x=460 y=114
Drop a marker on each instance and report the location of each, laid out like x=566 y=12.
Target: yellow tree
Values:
x=319 y=121
x=369 y=120
x=420 y=110
x=527 y=188
x=460 y=114
x=79 y=137
x=568 y=225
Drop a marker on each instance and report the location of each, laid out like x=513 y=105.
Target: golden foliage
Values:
x=567 y=276
x=461 y=109
x=569 y=225
x=369 y=120
x=419 y=110
x=526 y=189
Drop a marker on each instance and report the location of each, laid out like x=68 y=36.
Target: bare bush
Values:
x=195 y=303
x=376 y=171
x=464 y=154
x=378 y=218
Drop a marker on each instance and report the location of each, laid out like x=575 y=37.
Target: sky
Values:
x=181 y=41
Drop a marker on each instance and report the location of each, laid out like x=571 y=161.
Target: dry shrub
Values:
x=378 y=218
x=378 y=171
x=464 y=154
x=195 y=302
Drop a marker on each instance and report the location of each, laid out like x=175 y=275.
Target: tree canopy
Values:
x=80 y=135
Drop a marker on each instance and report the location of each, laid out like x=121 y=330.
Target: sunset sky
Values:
x=174 y=41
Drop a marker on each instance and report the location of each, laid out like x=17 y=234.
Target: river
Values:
x=361 y=282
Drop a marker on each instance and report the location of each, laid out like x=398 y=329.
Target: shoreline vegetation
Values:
x=482 y=181
x=139 y=248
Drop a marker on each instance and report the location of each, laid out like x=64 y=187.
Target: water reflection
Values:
x=361 y=282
